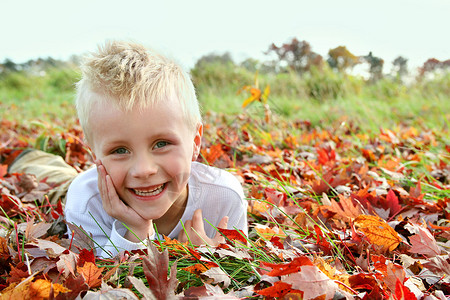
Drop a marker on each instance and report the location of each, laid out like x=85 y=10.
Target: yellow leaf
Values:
x=378 y=232
x=267 y=233
x=248 y=101
x=40 y=289
x=266 y=93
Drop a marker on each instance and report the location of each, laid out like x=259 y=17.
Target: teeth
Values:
x=150 y=193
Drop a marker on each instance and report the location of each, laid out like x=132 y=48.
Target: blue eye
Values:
x=120 y=151
x=161 y=144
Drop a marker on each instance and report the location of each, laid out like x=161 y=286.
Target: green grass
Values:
x=322 y=98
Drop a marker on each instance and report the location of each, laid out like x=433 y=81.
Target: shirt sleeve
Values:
x=84 y=209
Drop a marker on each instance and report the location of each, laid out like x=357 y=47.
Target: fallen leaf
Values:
x=312 y=282
x=292 y=267
x=144 y=290
x=277 y=290
x=91 y=273
x=233 y=235
x=76 y=285
x=378 y=232
x=86 y=256
x=41 y=288
x=107 y=292
x=424 y=243
x=156 y=265
x=218 y=276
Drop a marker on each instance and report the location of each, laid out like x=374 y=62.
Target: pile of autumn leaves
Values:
x=332 y=214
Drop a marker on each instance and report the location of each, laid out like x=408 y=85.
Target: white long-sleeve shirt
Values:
x=217 y=192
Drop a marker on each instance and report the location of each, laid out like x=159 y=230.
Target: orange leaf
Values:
x=91 y=273
x=3 y=170
x=199 y=268
x=378 y=232
x=213 y=153
x=40 y=289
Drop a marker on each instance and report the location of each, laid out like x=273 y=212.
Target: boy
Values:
x=141 y=118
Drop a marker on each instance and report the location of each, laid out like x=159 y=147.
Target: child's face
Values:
x=148 y=155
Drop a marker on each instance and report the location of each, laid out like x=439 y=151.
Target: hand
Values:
x=195 y=230
x=117 y=209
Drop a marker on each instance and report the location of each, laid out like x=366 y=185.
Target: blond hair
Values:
x=128 y=75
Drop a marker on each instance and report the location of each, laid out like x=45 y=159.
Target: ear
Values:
x=197 y=142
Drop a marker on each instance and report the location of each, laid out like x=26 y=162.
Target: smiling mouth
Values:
x=148 y=193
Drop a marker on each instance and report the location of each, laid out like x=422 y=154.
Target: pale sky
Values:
x=186 y=30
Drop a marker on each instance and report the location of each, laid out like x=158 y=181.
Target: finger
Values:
x=197 y=222
x=222 y=224
x=102 y=181
x=186 y=233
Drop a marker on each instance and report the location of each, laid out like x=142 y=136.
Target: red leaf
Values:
x=289 y=268
x=76 y=285
x=86 y=256
x=403 y=293
x=392 y=203
x=233 y=235
x=277 y=290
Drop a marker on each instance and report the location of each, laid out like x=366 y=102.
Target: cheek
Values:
x=117 y=173
x=178 y=168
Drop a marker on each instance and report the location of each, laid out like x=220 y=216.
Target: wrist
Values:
x=136 y=235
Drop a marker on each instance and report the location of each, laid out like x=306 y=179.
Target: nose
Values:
x=143 y=166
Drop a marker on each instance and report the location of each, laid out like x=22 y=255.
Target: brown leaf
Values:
x=378 y=232
x=218 y=276
x=67 y=263
x=52 y=248
x=17 y=273
x=142 y=288
x=107 y=292
x=438 y=264
x=156 y=265
x=81 y=239
x=34 y=231
x=76 y=285
x=91 y=273
x=345 y=209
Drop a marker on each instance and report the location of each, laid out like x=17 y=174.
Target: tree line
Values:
x=293 y=56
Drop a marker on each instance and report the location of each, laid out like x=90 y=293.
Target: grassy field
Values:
x=323 y=100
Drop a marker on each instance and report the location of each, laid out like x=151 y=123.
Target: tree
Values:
x=9 y=65
x=297 y=55
x=341 y=59
x=433 y=65
x=375 y=66
x=400 y=65
x=214 y=58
